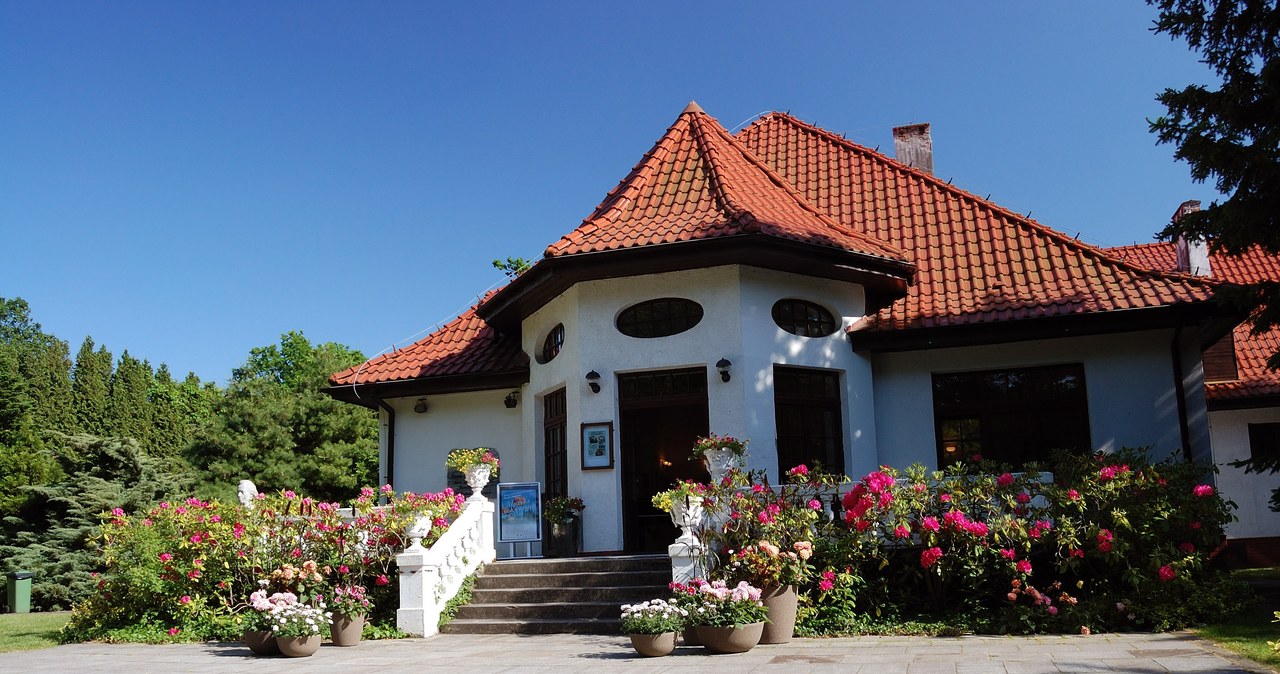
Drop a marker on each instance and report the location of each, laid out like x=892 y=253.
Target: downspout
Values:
x=391 y=441
x=1181 y=394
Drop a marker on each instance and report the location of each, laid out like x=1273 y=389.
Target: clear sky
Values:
x=189 y=180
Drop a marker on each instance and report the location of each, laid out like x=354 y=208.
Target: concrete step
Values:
x=536 y=626
x=611 y=564
x=512 y=581
x=542 y=610
x=622 y=595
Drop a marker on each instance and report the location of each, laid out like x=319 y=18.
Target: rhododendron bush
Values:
x=188 y=569
x=1103 y=542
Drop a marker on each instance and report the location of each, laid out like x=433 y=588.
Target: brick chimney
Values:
x=1193 y=256
x=913 y=146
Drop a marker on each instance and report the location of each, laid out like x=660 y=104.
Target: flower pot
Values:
x=690 y=637
x=730 y=639
x=781 y=604
x=299 y=647
x=477 y=477
x=719 y=461
x=345 y=630
x=261 y=642
x=653 y=645
x=562 y=539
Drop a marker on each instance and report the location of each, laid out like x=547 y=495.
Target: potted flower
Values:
x=652 y=625
x=257 y=619
x=562 y=514
x=350 y=606
x=684 y=503
x=776 y=572
x=720 y=453
x=298 y=627
x=729 y=620
x=476 y=464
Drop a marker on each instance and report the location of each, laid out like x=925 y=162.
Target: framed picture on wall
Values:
x=597 y=446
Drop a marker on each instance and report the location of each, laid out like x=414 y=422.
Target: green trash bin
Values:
x=19 y=591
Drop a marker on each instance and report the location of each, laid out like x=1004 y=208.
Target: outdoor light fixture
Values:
x=722 y=366
x=593 y=380
x=421 y=406
x=511 y=400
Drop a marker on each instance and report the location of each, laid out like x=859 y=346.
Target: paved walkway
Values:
x=563 y=653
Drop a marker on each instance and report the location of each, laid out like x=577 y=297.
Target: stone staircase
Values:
x=580 y=595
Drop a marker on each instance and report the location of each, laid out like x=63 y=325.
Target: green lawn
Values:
x=29 y=631
x=1248 y=632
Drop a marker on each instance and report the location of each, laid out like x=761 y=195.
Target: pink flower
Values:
x=1203 y=490
x=799 y=470
x=388 y=489
x=829 y=575
x=930 y=556
x=765 y=517
x=901 y=531
x=815 y=504
x=1053 y=610
x=825 y=585
x=930 y=523
x=147 y=522
x=757 y=488
x=918 y=488
x=1004 y=480
x=342 y=568
x=288 y=493
x=295 y=553
x=166 y=557
x=1076 y=552
x=118 y=512
x=1023 y=497
x=1073 y=495
x=173 y=631
x=1024 y=566
x=197 y=538
x=381 y=580
x=184 y=600
x=1167 y=573
x=1008 y=553
x=945 y=498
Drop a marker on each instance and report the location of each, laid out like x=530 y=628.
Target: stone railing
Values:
x=429 y=578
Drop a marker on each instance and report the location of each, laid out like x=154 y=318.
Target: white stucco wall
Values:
x=1250 y=492
x=453 y=420
x=1129 y=381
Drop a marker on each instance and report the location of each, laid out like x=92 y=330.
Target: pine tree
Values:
x=47 y=369
x=128 y=410
x=170 y=428
x=89 y=389
x=24 y=462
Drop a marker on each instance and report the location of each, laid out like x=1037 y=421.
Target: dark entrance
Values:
x=660 y=416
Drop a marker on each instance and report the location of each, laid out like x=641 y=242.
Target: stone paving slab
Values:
x=568 y=653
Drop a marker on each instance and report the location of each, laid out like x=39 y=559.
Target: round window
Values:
x=800 y=317
x=552 y=343
x=659 y=318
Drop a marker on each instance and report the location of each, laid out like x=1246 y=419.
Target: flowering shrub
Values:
x=194 y=565
x=719 y=442
x=462 y=459
x=722 y=606
x=655 y=616
x=562 y=509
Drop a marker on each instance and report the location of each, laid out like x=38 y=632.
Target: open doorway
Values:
x=660 y=416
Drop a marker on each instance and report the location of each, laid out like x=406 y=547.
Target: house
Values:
x=1242 y=395
x=829 y=303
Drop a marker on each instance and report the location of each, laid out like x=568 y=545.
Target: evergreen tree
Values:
x=171 y=429
x=24 y=461
x=274 y=426
x=93 y=371
x=128 y=410
x=42 y=362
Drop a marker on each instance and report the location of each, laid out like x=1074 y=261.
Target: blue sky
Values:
x=190 y=180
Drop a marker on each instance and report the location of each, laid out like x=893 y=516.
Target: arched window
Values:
x=803 y=318
x=659 y=318
x=552 y=343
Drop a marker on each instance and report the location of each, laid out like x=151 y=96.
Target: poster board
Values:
x=519 y=512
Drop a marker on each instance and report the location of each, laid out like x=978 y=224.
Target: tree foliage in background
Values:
x=24 y=463
x=275 y=426
x=1231 y=135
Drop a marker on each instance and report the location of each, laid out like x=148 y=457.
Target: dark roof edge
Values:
x=886 y=279
x=1244 y=402
x=1213 y=319
x=368 y=395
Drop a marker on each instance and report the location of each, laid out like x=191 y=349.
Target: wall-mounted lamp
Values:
x=421 y=406
x=722 y=366
x=511 y=400
x=593 y=380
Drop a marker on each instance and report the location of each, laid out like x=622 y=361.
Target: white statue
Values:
x=247 y=492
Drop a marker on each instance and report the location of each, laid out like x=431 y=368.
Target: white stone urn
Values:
x=719 y=461
x=418 y=531
x=687 y=513
x=477 y=477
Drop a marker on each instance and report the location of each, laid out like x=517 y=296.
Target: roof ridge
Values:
x=1017 y=218
x=726 y=200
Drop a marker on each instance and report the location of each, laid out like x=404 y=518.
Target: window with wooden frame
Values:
x=1013 y=416
x=803 y=318
x=659 y=318
x=808 y=418
x=555 y=451
x=551 y=344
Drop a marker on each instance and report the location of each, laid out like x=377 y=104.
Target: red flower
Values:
x=381 y=580
x=1004 y=480
x=1024 y=566
x=930 y=556
x=1167 y=573
x=1187 y=547
x=1203 y=490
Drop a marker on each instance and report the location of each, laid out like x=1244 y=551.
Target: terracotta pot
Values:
x=345 y=630
x=653 y=645
x=299 y=647
x=781 y=604
x=730 y=639
x=690 y=637
x=261 y=642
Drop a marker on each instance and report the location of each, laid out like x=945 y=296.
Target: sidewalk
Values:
x=563 y=653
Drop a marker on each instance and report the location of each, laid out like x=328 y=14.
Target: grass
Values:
x=30 y=631
x=1246 y=633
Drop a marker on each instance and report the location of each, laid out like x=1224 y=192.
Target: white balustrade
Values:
x=429 y=578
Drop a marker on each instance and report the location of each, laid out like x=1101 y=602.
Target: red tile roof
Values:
x=977 y=262
x=1252 y=351
x=698 y=182
x=465 y=345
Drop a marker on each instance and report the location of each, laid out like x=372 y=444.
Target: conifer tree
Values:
x=24 y=461
x=128 y=410
x=89 y=388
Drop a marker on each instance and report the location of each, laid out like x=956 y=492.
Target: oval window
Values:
x=659 y=318
x=552 y=343
x=803 y=318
